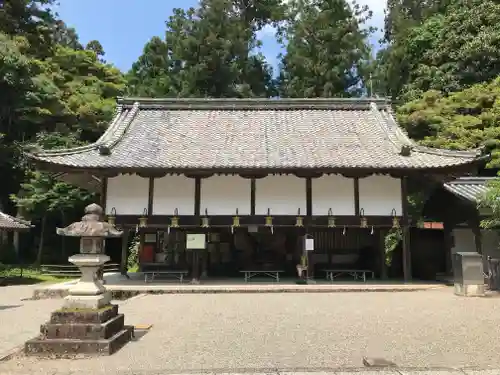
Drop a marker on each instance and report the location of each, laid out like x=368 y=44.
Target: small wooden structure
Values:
x=15 y=225
x=456 y=204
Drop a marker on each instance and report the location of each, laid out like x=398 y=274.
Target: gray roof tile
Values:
x=469 y=188
x=8 y=222
x=252 y=134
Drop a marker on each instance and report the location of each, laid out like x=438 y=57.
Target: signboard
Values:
x=308 y=244
x=195 y=241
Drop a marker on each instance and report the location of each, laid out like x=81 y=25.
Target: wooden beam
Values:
x=278 y=220
x=356 y=196
x=151 y=195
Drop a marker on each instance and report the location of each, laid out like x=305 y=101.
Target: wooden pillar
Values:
x=252 y=196
x=124 y=256
x=195 y=255
x=356 y=197
x=407 y=274
x=448 y=245
x=104 y=192
x=151 y=195
x=15 y=243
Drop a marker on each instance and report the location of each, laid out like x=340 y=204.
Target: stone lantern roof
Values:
x=91 y=225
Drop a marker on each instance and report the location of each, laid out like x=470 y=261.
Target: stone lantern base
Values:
x=100 y=331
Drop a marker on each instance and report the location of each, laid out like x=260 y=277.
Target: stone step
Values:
x=87 y=331
x=71 y=347
x=82 y=316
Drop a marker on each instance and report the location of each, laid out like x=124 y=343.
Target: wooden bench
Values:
x=178 y=274
x=355 y=274
x=69 y=270
x=275 y=274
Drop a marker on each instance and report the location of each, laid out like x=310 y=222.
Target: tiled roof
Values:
x=252 y=134
x=13 y=223
x=470 y=188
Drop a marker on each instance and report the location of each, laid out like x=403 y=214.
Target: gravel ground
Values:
x=20 y=317
x=290 y=332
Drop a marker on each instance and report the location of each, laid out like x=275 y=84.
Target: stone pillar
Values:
x=89 y=292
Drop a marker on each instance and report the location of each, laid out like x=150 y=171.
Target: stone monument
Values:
x=87 y=323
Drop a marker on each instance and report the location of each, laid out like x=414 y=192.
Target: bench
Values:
x=178 y=274
x=69 y=270
x=355 y=274
x=271 y=273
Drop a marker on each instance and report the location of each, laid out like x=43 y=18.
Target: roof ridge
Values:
x=251 y=103
x=120 y=128
x=91 y=146
x=428 y=150
x=382 y=122
x=468 y=180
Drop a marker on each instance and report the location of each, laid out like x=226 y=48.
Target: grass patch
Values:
x=27 y=276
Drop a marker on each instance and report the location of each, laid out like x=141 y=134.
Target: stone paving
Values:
x=302 y=332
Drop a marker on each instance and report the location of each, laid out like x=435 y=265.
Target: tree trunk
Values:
x=63 y=238
x=40 y=243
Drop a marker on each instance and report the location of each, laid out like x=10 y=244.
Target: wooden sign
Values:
x=433 y=225
x=308 y=244
x=196 y=241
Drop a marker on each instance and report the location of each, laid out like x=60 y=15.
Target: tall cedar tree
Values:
x=327 y=49
x=208 y=51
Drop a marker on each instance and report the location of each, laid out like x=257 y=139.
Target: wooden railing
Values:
x=69 y=270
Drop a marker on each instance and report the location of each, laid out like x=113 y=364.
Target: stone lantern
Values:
x=88 y=322
x=89 y=292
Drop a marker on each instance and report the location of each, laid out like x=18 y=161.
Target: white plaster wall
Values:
x=379 y=194
x=335 y=192
x=128 y=194
x=222 y=195
x=283 y=195
x=171 y=192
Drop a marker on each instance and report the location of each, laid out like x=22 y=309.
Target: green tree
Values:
x=452 y=49
x=96 y=47
x=209 y=51
x=460 y=121
x=327 y=50
x=31 y=19
x=491 y=201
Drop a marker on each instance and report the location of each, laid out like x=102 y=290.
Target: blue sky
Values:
x=124 y=26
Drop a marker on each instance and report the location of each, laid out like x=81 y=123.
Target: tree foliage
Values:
x=208 y=51
x=327 y=50
x=460 y=121
x=446 y=50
